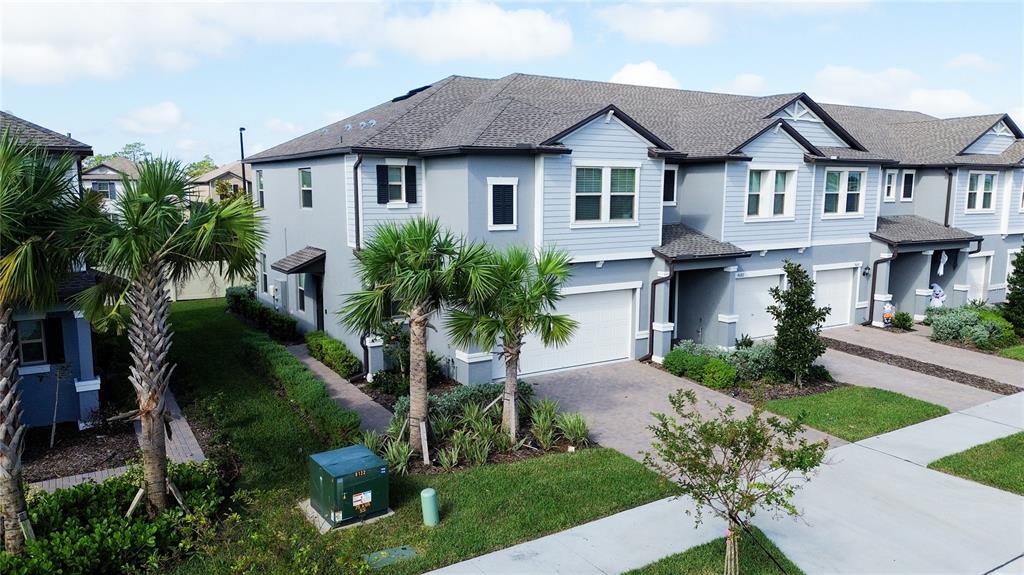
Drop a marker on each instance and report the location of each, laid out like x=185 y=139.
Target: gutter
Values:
x=650 y=312
x=874 y=281
x=358 y=233
x=532 y=149
x=949 y=195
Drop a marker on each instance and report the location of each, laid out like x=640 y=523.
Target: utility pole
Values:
x=241 y=148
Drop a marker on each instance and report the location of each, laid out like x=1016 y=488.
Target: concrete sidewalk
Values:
x=372 y=415
x=916 y=346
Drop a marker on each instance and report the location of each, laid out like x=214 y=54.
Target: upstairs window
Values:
x=623 y=194
x=107 y=189
x=907 y=195
x=259 y=189
x=588 y=194
x=668 y=191
x=396 y=184
x=31 y=341
x=844 y=190
x=501 y=203
x=770 y=193
x=980 y=184
x=891 y=179
x=306 y=187
x=605 y=194
x=300 y=282
x=264 y=283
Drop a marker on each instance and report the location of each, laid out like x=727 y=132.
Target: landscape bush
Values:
x=301 y=386
x=903 y=320
x=684 y=363
x=390 y=382
x=280 y=326
x=982 y=327
x=333 y=354
x=83 y=529
x=753 y=363
x=718 y=374
x=450 y=404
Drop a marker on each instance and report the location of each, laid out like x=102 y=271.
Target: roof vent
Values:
x=348 y=127
x=411 y=93
x=362 y=125
x=371 y=122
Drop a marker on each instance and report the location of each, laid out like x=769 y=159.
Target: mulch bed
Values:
x=758 y=393
x=388 y=401
x=922 y=367
x=101 y=447
x=416 y=463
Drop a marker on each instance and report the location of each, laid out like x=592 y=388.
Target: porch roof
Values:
x=681 y=242
x=308 y=259
x=895 y=230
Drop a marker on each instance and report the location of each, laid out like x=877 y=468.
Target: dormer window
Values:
x=799 y=111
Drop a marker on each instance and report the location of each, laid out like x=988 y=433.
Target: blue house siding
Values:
x=602 y=142
x=989 y=144
x=699 y=198
x=373 y=213
x=982 y=222
x=772 y=149
x=845 y=229
x=1015 y=221
x=39 y=390
x=817 y=133
x=523 y=168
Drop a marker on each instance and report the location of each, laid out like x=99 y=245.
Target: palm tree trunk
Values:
x=12 y=434
x=510 y=407
x=732 y=549
x=417 y=377
x=150 y=337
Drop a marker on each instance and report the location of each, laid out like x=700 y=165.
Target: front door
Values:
x=318 y=279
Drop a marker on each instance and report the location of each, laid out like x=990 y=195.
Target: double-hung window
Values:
x=264 y=280
x=844 y=192
x=396 y=183
x=306 y=187
x=981 y=184
x=31 y=341
x=907 y=193
x=891 y=184
x=605 y=194
x=502 y=212
x=300 y=282
x=259 y=189
x=771 y=193
x=108 y=189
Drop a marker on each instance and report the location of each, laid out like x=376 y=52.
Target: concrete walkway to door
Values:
x=618 y=398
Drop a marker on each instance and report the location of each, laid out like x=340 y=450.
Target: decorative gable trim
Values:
x=793 y=133
x=1005 y=122
x=824 y=117
x=612 y=112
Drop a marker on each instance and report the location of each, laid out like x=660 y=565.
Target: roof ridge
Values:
x=44 y=129
x=876 y=108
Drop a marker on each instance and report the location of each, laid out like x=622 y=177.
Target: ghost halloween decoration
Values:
x=938 y=296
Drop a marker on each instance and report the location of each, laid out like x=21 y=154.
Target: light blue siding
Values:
x=774 y=148
x=854 y=228
x=39 y=390
x=374 y=213
x=817 y=133
x=990 y=144
x=483 y=167
x=699 y=198
x=600 y=141
x=981 y=223
x=1016 y=219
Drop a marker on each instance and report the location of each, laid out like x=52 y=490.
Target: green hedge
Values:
x=301 y=386
x=451 y=403
x=980 y=326
x=333 y=354
x=83 y=530
x=280 y=326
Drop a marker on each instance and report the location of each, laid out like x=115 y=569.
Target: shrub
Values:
x=397 y=455
x=903 y=320
x=372 y=440
x=279 y=326
x=753 y=363
x=819 y=372
x=573 y=427
x=718 y=374
x=339 y=425
x=442 y=426
x=948 y=325
x=684 y=363
x=448 y=458
x=982 y=327
x=450 y=404
x=798 y=322
x=477 y=449
x=542 y=418
x=744 y=341
x=82 y=529
x=391 y=382
x=333 y=354
x=238 y=296
x=1013 y=307
x=1002 y=330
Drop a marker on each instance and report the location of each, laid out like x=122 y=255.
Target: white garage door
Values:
x=977 y=277
x=834 y=288
x=605 y=333
x=751 y=300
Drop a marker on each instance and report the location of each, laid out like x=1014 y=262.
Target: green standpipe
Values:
x=428 y=500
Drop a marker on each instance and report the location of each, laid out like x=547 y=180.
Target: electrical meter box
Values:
x=348 y=485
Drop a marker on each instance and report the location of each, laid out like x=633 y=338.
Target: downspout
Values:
x=358 y=232
x=650 y=313
x=874 y=281
x=949 y=194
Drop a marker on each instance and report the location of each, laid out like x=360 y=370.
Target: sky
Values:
x=182 y=77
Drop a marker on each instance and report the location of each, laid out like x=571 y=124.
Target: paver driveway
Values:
x=618 y=398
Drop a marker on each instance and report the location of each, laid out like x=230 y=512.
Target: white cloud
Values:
x=155 y=119
x=335 y=115
x=187 y=145
x=650 y=23
x=361 y=59
x=971 y=61
x=479 y=31
x=748 y=84
x=279 y=125
x=645 y=73
x=897 y=88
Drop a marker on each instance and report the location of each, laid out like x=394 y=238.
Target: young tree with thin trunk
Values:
x=38 y=193
x=154 y=236
x=526 y=296
x=411 y=271
x=734 y=467
x=798 y=322
x=1013 y=307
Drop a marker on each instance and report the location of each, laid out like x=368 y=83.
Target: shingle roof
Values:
x=296 y=262
x=35 y=135
x=118 y=164
x=915 y=229
x=682 y=242
x=232 y=168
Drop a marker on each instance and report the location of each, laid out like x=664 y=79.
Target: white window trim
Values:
x=675 y=189
x=41 y=341
x=499 y=181
x=260 y=199
x=302 y=189
x=843 y=183
x=606 y=186
x=767 y=194
x=402 y=203
x=981 y=193
x=895 y=185
x=913 y=185
x=300 y=292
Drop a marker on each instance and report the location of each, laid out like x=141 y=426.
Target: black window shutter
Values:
x=410 y=184
x=382 y=184
x=53 y=330
x=668 y=194
x=501 y=204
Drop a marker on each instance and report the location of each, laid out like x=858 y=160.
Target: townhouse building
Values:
x=677 y=207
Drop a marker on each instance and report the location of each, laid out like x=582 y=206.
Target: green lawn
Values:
x=1014 y=352
x=482 y=509
x=854 y=413
x=709 y=559
x=998 y=463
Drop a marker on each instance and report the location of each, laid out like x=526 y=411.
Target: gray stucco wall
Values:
x=39 y=390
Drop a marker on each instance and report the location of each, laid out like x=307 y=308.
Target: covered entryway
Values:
x=834 y=287
x=309 y=260
x=752 y=300
x=605 y=332
x=979 y=272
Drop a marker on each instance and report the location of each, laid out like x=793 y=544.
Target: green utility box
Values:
x=348 y=484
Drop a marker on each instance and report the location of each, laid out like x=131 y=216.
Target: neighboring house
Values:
x=55 y=346
x=677 y=207
x=204 y=187
x=107 y=178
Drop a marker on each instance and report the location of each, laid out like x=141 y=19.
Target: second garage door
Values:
x=751 y=302
x=834 y=288
x=605 y=333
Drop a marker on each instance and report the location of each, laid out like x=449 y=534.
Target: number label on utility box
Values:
x=363 y=498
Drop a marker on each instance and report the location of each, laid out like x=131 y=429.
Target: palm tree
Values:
x=38 y=192
x=413 y=269
x=155 y=235
x=523 y=303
